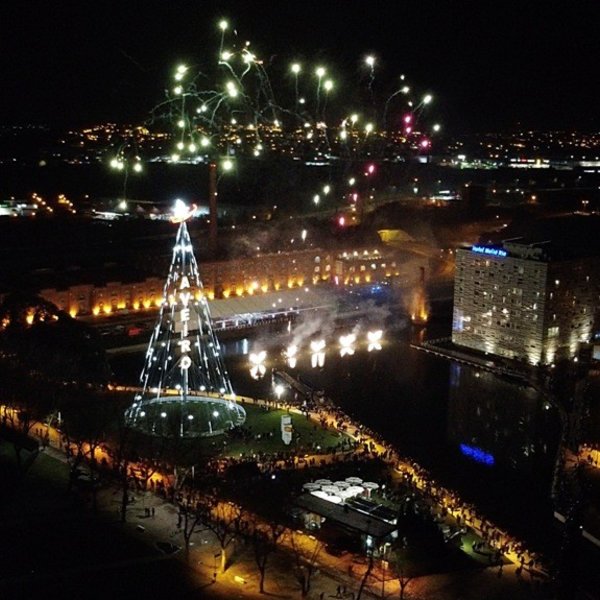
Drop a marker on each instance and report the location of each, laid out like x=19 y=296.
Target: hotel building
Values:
x=528 y=301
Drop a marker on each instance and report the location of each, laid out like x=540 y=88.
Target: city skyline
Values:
x=300 y=299
x=488 y=66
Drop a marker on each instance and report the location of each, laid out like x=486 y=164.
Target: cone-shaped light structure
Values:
x=185 y=388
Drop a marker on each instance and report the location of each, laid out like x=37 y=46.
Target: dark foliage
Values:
x=37 y=336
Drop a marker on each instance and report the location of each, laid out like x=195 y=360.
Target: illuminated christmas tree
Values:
x=186 y=390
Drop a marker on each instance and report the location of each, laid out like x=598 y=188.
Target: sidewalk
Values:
x=241 y=579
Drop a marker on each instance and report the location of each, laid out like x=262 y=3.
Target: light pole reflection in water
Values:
x=347 y=344
x=257 y=362
x=317 y=358
x=374 y=340
x=291 y=355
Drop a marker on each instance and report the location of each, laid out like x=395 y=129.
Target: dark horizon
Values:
x=490 y=66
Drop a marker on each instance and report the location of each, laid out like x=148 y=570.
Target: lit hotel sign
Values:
x=490 y=251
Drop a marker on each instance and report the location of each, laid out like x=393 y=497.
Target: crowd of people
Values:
x=358 y=443
x=367 y=444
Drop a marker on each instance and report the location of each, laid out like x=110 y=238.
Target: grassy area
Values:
x=307 y=438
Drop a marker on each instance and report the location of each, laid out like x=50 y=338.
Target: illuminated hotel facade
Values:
x=518 y=301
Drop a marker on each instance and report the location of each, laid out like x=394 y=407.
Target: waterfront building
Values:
x=116 y=289
x=363 y=266
x=533 y=301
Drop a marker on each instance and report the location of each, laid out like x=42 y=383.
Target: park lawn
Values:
x=260 y=421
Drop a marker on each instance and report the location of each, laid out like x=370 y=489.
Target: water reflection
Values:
x=374 y=340
x=257 y=362
x=291 y=355
x=347 y=344
x=425 y=405
x=506 y=423
x=235 y=347
x=317 y=358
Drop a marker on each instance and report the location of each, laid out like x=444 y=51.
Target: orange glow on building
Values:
x=419 y=306
x=241 y=277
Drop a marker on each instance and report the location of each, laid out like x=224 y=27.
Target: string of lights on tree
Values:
x=184 y=364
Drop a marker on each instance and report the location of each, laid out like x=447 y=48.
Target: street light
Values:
x=296 y=68
x=320 y=72
x=180 y=73
x=231 y=89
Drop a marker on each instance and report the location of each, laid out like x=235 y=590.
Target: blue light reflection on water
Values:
x=477 y=454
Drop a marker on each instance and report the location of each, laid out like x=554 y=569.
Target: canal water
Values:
x=491 y=440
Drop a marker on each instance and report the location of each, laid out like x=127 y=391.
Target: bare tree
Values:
x=86 y=417
x=223 y=519
x=306 y=550
x=265 y=538
x=144 y=469
x=120 y=451
x=190 y=519
x=366 y=576
x=26 y=402
x=401 y=570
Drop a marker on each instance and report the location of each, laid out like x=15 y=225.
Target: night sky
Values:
x=491 y=65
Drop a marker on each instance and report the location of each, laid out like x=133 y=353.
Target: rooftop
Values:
x=345 y=515
x=555 y=238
